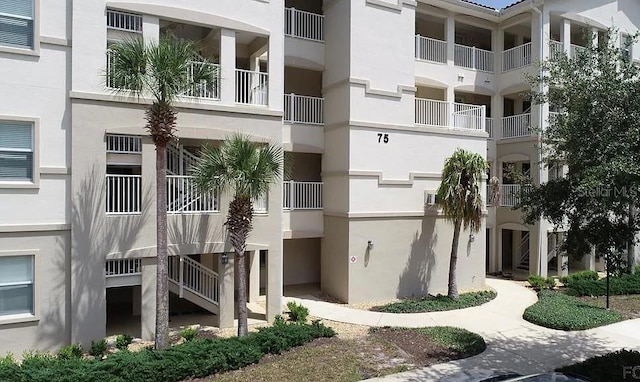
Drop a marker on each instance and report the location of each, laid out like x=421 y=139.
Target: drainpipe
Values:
x=541 y=256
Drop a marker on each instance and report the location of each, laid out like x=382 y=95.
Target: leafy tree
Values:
x=247 y=169
x=163 y=70
x=597 y=136
x=461 y=201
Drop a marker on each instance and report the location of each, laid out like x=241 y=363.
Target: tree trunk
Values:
x=241 y=272
x=162 y=287
x=453 y=284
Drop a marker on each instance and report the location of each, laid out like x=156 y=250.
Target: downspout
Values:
x=541 y=256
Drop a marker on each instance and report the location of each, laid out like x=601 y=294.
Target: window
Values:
x=16 y=285
x=16 y=23
x=16 y=151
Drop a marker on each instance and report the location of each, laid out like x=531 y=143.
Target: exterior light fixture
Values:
x=224 y=258
x=472 y=238
x=369 y=245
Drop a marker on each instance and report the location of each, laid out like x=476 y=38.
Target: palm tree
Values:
x=461 y=201
x=247 y=169
x=162 y=70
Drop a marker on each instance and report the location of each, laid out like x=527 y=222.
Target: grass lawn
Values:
x=556 y=310
x=381 y=352
x=612 y=367
x=437 y=303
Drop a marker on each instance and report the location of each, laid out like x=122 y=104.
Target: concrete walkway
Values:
x=513 y=344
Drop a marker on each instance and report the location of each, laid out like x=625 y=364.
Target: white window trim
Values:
x=35 y=49
x=35 y=182
x=25 y=317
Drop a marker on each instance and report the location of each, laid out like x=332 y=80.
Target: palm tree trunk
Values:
x=162 y=286
x=453 y=284
x=241 y=272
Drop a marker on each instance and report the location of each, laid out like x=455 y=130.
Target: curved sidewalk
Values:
x=512 y=343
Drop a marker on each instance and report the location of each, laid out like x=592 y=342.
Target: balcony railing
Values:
x=517 y=57
x=489 y=127
x=473 y=58
x=124 y=144
x=124 y=21
x=302 y=24
x=575 y=50
x=448 y=114
x=252 y=87
x=123 y=194
x=183 y=196
x=509 y=195
x=122 y=267
x=209 y=88
x=303 y=109
x=555 y=47
x=430 y=49
x=302 y=195
x=516 y=126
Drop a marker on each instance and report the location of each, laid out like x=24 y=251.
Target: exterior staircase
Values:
x=194 y=282
x=523 y=247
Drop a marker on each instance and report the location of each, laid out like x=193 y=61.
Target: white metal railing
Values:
x=251 y=87
x=516 y=126
x=124 y=144
x=123 y=21
x=509 y=194
x=516 y=57
x=553 y=116
x=303 y=24
x=555 y=47
x=489 y=127
x=303 y=109
x=123 y=194
x=574 y=50
x=473 y=58
x=302 y=195
x=523 y=248
x=431 y=49
x=194 y=277
x=179 y=160
x=122 y=267
x=448 y=114
x=261 y=205
x=183 y=196
x=209 y=88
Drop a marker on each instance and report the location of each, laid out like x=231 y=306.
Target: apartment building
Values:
x=367 y=97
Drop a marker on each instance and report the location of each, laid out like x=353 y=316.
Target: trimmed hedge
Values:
x=608 y=367
x=539 y=282
x=193 y=359
x=558 y=311
x=581 y=275
x=437 y=303
x=625 y=284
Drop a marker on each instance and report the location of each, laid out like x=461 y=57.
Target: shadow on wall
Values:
x=416 y=276
x=94 y=235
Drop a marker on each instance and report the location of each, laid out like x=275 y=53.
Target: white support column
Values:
x=566 y=35
x=497 y=46
x=589 y=260
x=594 y=31
x=228 y=67
x=498 y=254
x=538 y=249
x=497 y=112
x=274 y=283
x=148 y=298
x=254 y=275
x=137 y=300
x=451 y=38
x=493 y=266
x=226 y=280
x=150 y=28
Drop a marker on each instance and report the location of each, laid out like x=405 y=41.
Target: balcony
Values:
x=516 y=126
x=123 y=194
x=303 y=25
x=431 y=49
x=303 y=216
x=516 y=57
x=473 y=58
x=436 y=113
x=252 y=88
x=303 y=109
x=509 y=195
x=489 y=127
x=302 y=195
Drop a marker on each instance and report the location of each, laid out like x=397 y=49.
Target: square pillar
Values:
x=566 y=35
x=497 y=47
x=149 y=277
x=538 y=249
x=150 y=28
x=498 y=254
x=451 y=38
x=589 y=260
x=493 y=255
x=226 y=282
x=228 y=67
x=274 y=283
x=254 y=275
x=497 y=112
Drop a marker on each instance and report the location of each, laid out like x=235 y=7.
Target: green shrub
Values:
x=619 y=285
x=73 y=351
x=558 y=311
x=98 y=348
x=193 y=359
x=189 y=333
x=437 y=303
x=608 y=367
x=539 y=282
x=581 y=275
x=297 y=312
x=123 y=341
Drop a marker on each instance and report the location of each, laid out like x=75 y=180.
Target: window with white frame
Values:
x=16 y=285
x=16 y=151
x=16 y=23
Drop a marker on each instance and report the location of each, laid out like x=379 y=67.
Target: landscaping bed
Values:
x=556 y=310
x=629 y=305
x=612 y=367
x=437 y=303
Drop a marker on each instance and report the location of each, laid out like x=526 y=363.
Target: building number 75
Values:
x=383 y=138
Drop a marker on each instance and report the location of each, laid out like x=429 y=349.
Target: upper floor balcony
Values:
x=430 y=112
x=304 y=34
